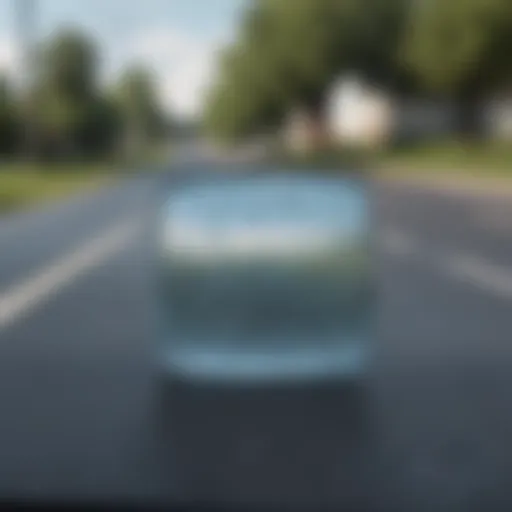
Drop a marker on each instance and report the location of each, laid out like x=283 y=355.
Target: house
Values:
x=359 y=114
x=364 y=115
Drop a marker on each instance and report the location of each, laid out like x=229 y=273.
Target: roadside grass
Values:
x=449 y=158
x=23 y=185
x=445 y=162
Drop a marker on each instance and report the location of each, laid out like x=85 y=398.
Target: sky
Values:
x=178 y=39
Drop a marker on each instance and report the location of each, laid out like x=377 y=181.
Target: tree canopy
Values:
x=289 y=53
x=461 y=47
x=138 y=107
x=69 y=113
x=68 y=100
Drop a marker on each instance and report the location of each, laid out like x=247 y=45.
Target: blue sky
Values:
x=179 y=39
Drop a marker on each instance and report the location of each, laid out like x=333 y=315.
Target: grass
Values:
x=453 y=158
x=444 y=163
x=26 y=184
x=23 y=185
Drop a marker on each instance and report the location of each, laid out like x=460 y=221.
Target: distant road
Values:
x=80 y=416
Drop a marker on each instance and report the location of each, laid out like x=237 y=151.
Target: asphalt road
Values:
x=83 y=416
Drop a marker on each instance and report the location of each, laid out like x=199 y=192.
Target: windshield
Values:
x=256 y=254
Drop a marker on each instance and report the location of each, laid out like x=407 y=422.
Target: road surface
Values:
x=83 y=419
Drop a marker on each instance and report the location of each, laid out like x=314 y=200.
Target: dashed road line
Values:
x=479 y=272
x=465 y=267
x=38 y=288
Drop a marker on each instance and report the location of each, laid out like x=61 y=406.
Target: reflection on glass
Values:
x=267 y=263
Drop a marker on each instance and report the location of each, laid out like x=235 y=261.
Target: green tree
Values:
x=289 y=53
x=100 y=132
x=138 y=107
x=461 y=49
x=70 y=64
x=68 y=99
x=9 y=122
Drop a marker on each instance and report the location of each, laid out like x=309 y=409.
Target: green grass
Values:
x=22 y=185
x=445 y=162
x=26 y=184
x=477 y=159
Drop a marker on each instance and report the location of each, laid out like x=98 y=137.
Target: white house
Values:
x=358 y=114
x=364 y=115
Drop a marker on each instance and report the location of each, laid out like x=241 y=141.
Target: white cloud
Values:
x=185 y=66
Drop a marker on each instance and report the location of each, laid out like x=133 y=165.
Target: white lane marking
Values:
x=477 y=271
x=486 y=276
x=398 y=243
x=34 y=290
